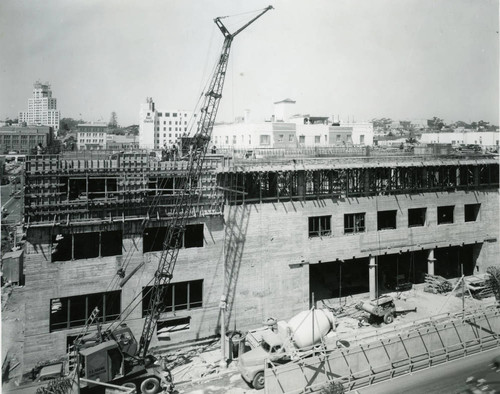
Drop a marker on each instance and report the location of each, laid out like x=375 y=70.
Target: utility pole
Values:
x=222 y=306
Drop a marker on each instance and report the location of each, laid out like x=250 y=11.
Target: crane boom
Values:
x=195 y=154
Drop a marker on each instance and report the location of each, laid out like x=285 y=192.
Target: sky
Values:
x=356 y=59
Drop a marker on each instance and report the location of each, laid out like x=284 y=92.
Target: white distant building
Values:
x=160 y=128
x=42 y=108
x=287 y=131
x=92 y=136
x=283 y=110
x=463 y=136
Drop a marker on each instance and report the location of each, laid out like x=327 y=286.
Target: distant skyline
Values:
x=361 y=59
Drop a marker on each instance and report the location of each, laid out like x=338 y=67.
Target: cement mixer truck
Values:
x=282 y=341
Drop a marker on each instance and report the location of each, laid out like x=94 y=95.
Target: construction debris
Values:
x=494 y=281
x=437 y=284
x=479 y=286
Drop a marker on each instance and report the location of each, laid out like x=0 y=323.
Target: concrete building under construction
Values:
x=271 y=235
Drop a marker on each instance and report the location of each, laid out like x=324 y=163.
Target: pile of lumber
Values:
x=479 y=286
x=437 y=284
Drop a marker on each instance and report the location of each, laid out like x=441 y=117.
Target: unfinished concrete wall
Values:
x=262 y=251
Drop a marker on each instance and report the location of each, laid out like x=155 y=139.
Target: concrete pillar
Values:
x=372 y=267
x=430 y=262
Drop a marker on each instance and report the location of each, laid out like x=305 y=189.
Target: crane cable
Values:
x=156 y=199
x=154 y=205
x=241 y=13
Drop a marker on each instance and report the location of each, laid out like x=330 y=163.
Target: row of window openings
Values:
x=386 y=220
x=66 y=247
x=165 y=135
x=72 y=312
x=170 y=129
x=266 y=139
x=170 y=123
x=167 y=114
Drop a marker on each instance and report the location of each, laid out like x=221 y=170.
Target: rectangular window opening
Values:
x=86 y=246
x=416 y=217
x=176 y=296
x=111 y=243
x=471 y=212
x=265 y=139
x=71 y=312
x=386 y=220
x=354 y=223
x=154 y=237
x=320 y=226
x=193 y=236
x=165 y=327
x=445 y=214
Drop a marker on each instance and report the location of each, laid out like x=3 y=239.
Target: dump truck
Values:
x=283 y=342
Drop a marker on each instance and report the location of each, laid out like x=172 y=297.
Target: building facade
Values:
x=92 y=136
x=296 y=133
x=25 y=140
x=159 y=128
x=462 y=137
x=42 y=108
x=288 y=131
x=297 y=234
x=122 y=142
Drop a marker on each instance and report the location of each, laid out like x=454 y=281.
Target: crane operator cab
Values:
x=125 y=339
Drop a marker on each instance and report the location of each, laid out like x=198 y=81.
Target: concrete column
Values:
x=430 y=262
x=372 y=267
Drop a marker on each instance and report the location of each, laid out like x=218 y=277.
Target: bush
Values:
x=332 y=388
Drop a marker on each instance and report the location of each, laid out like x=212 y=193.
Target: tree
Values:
x=332 y=388
x=69 y=124
x=436 y=123
x=382 y=122
x=133 y=129
x=113 y=121
x=10 y=122
x=482 y=124
x=461 y=123
x=493 y=280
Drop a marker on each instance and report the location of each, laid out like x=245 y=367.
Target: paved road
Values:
x=446 y=378
x=11 y=204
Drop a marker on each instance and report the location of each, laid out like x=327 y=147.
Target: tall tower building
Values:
x=42 y=108
x=159 y=128
x=147 y=124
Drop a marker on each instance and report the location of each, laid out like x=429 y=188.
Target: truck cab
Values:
x=103 y=362
x=252 y=363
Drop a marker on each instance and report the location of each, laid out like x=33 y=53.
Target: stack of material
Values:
x=480 y=286
x=436 y=284
x=494 y=281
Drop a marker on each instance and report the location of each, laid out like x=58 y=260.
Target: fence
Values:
x=393 y=354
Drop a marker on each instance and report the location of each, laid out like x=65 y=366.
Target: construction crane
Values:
x=132 y=363
x=194 y=149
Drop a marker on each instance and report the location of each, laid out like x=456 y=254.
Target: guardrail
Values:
x=382 y=357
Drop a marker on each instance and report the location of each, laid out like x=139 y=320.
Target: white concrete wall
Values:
x=360 y=129
x=242 y=135
x=147 y=125
x=484 y=138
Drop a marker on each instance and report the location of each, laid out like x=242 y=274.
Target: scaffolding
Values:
x=100 y=187
x=334 y=178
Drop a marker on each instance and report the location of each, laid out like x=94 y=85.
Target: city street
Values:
x=447 y=378
x=11 y=204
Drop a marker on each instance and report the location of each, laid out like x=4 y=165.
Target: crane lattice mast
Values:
x=195 y=154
